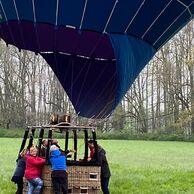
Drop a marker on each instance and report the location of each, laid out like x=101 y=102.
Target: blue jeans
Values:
x=104 y=185
x=35 y=186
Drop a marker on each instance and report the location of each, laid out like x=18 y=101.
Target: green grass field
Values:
x=139 y=167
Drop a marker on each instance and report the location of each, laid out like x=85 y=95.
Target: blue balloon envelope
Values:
x=95 y=47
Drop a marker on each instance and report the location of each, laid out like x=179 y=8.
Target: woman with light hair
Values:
x=33 y=171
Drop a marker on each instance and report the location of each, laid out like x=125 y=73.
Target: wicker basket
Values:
x=81 y=180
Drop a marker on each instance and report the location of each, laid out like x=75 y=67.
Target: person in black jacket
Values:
x=43 y=148
x=105 y=171
x=18 y=175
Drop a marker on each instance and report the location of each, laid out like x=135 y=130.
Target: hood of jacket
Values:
x=55 y=153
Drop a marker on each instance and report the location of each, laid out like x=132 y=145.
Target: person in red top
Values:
x=33 y=171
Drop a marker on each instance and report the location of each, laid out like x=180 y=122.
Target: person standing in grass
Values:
x=33 y=171
x=59 y=173
x=105 y=170
x=19 y=171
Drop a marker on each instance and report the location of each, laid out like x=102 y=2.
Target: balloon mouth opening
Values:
x=43 y=37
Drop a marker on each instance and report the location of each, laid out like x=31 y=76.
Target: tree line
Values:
x=160 y=100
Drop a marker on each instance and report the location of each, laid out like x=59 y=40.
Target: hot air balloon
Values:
x=96 y=48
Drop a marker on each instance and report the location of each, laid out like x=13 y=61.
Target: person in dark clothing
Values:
x=18 y=175
x=67 y=153
x=58 y=167
x=43 y=148
x=105 y=171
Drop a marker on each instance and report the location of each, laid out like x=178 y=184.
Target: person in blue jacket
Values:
x=59 y=173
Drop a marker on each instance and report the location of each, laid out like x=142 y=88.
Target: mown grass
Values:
x=138 y=167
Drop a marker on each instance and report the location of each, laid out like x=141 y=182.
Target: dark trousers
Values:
x=20 y=187
x=104 y=185
x=60 y=184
